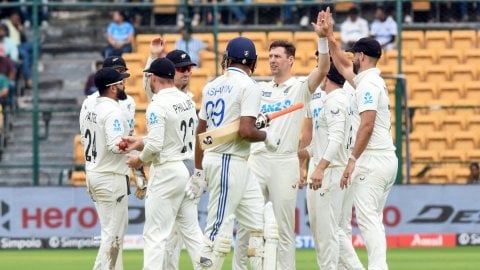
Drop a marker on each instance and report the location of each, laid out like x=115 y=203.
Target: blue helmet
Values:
x=241 y=49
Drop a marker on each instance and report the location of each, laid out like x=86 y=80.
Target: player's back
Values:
x=103 y=126
x=180 y=120
x=225 y=100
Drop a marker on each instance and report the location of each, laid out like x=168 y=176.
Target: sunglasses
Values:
x=184 y=69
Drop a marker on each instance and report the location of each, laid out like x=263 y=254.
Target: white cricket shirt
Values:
x=102 y=127
x=383 y=31
x=225 y=100
x=329 y=116
x=351 y=31
x=128 y=107
x=372 y=94
x=277 y=97
x=171 y=124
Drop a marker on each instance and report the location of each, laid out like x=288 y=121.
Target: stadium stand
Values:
x=441 y=68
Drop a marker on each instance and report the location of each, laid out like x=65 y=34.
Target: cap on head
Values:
x=114 y=62
x=335 y=76
x=241 y=49
x=162 y=67
x=106 y=77
x=180 y=58
x=368 y=46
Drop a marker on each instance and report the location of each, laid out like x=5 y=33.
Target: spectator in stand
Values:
x=90 y=87
x=120 y=35
x=191 y=45
x=8 y=74
x=384 y=29
x=9 y=47
x=26 y=13
x=474 y=177
x=353 y=28
x=25 y=48
x=4 y=85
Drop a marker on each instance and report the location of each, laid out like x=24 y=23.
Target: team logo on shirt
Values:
x=367 y=98
x=335 y=112
x=246 y=53
x=153 y=119
x=183 y=56
x=116 y=125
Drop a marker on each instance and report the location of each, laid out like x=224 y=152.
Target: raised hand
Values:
x=157 y=45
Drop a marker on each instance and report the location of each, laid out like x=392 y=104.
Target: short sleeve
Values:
x=250 y=101
x=110 y=29
x=367 y=97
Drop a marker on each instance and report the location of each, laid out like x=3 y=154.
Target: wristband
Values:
x=352 y=158
x=322 y=45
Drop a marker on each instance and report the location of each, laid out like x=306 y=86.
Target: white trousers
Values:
x=232 y=190
x=329 y=213
x=109 y=193
x=372 y=180
x=278 y=176
x=167 y=206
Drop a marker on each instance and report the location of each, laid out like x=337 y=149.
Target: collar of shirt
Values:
x=234 y=69
x=286 y=83
x=166 y=91
x=357 y=79
x=106 y=99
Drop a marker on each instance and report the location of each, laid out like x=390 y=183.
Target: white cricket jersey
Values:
x=329 y=114
x=127 y=106
x=312 y=112
x=372 y=94
x=351 y=31
x=277 y=97
x=102 y=127
x=171 y=124
x=225 y=100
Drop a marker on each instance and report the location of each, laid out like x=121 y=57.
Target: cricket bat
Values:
x=229 y=132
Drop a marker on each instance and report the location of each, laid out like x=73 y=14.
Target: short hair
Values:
x=289 y=47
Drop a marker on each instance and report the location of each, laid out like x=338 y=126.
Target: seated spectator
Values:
x=4 y=98
x=25 y=48
x=191 y=45
x=120 y=35
x=9 y=47
x=474 y=177
x=384 y=29
x=90 y=87
x=353 y=28
x=7 y=69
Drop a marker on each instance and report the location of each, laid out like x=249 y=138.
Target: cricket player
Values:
x=128 y=106
x=183 y=72
x=328 y=157
x=102 y=127
x=171 y=121
x=277 y=171
x=372 y=164
x=232 y=189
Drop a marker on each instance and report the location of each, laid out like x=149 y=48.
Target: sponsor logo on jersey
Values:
x=116 y=125
x=316 y=95
x=275 y=107
x=367 y=98
x=266 y=94
x=335 y=112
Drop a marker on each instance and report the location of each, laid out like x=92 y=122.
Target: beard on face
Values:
x=356 y=67
x=121 y=95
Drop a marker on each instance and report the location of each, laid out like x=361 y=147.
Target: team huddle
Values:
x=252 y=177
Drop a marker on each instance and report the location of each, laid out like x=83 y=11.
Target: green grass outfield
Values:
x=460 y=258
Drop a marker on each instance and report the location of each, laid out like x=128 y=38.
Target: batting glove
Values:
x=262 y=121
x=196 y=185
x=272 y=141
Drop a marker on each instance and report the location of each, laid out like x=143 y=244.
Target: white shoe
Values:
x=180 y=21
